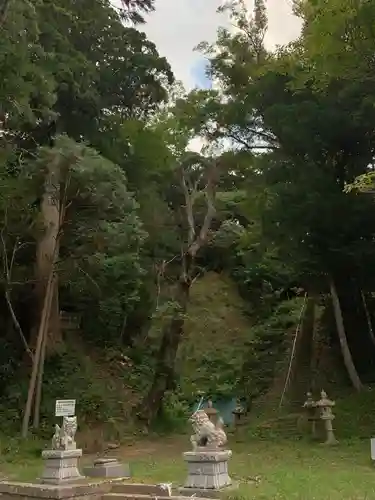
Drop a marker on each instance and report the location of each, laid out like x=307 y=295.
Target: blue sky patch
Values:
x=198 y=73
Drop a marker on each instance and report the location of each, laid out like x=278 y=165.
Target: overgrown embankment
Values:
x=109 y=382
x=217 y=331
x=222 y=354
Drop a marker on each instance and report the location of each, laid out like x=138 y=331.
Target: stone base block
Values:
x=107 y=467
x=95 y=490
x=207 y=469
x=61 y=466
x=207 y=493
x=142 y=490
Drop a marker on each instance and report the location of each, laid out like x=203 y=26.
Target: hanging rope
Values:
x=199 y=405
x=298 y=329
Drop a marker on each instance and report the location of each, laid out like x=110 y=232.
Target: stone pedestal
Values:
x=330 y=439
x=207 y=470
x=108 y=467
x=61 y=466
x=95 y=490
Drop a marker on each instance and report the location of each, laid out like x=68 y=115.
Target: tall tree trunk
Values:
x=164 y=375
x=47 y=252
x=368 y=318
x=315 y=347
x=39 y=382
x=348 y=360
x=53 y=210
x=4 y=7
x=38 y=352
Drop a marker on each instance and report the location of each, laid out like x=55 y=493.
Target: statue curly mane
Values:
x=206 y=434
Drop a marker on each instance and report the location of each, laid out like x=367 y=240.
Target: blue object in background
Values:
x=224 y=406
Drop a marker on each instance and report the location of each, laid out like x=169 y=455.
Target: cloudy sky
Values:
x=177 y=26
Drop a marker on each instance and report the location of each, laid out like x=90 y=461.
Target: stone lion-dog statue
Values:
x=206 y=433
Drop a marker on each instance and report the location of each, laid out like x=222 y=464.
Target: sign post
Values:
x=65 y=408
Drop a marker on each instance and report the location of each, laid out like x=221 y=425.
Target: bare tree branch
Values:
x=210 y=194
x=4 y=6
x=160 y=270
x=250 y=146
x=189 y=203
x=7 y=273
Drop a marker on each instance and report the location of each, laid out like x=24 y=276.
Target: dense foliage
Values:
x=107 y=215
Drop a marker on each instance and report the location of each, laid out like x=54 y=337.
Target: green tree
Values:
x=313 y=147
x=193 y=177
x=98 y=237
x=76 y=68
x=93 y=72
x=338 y=38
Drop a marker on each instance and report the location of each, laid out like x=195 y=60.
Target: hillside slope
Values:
x=109 y=382
x=217 y=329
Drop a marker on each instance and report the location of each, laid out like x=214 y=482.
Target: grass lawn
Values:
x=278 y=470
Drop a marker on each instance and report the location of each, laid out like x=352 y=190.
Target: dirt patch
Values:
x=145 y=448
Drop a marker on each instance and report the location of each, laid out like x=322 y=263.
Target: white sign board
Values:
x=65 y=407
x=372 y=441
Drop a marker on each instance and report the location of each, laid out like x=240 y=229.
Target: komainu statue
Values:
x=64 y=437
x=207 y=434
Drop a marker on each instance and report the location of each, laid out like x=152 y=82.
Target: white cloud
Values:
x=283 y=26
x=177 y=26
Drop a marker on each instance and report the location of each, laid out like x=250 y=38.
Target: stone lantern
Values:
x=238 y=412
x=211 y=412
x=325 y=406
x=312 y=414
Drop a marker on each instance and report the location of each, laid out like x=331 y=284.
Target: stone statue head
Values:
x=199 y=417
x=70 y=426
